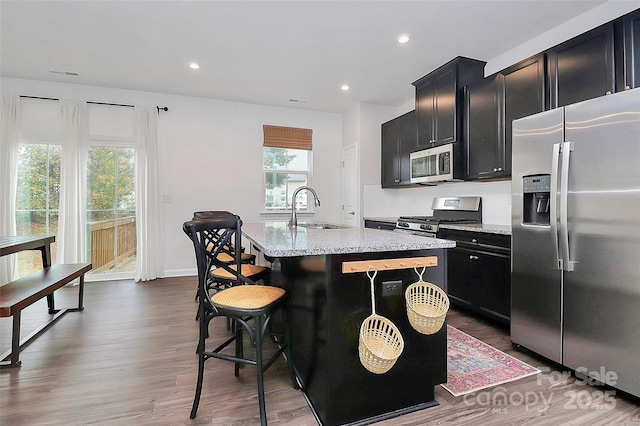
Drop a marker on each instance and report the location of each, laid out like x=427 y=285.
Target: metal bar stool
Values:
x=249 y=306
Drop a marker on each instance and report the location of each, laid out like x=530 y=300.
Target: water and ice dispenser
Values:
x=537 y=198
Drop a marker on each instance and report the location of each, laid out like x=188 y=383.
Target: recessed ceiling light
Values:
x=345 y=87
x=403 y=38
x=194 y=65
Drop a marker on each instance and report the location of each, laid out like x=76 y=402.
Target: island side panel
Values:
x=328 y=308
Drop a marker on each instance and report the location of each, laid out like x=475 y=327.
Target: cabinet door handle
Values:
x=352 y=213
x=608 y=92
x=473 y=240
x=473 y=257
x=397 y=180
x=627 y=87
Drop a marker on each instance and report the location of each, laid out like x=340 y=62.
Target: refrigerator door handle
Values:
x=567 y=264
x=554 y=203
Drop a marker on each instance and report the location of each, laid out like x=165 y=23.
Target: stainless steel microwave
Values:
x=432 y=164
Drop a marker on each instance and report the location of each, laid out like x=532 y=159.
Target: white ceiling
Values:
x=265 y=52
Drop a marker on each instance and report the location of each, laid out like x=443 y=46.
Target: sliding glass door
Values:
x=111 y=224
x=37 y=199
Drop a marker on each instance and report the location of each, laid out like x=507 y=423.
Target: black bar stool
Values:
x=249 y=306
x=226 y=255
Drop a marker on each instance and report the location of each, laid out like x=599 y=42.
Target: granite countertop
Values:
x=382 y=219
x=277 y=240
x=487 y=228
x=480 y=227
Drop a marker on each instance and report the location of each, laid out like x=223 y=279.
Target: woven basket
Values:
x=427 y=307
x=380 y=344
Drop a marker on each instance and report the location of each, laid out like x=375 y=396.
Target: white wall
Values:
x=361 y=126
x=496 y=199
x=211 y=155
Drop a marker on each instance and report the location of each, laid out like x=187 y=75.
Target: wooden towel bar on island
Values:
x=389 y=264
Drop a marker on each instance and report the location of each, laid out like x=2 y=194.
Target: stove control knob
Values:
x=426 y=227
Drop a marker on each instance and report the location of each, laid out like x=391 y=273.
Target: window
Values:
x=287 y=166
x=37 y=199
x=285 y=170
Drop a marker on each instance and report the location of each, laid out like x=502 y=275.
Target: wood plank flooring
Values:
x=129 y=359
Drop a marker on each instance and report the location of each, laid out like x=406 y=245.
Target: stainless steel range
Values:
x=445 y=210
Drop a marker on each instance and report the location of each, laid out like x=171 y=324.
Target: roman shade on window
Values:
x=287 y=137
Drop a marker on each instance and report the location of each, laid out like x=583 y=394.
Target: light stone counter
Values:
x=487 y=228
x=387 y=219
x=277 y=240
x=481 y=227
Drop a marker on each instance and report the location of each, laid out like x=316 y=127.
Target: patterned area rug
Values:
x=474 y=365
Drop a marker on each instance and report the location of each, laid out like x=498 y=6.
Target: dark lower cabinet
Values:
x=479 y=273
x=327 y=308
x=379 y=224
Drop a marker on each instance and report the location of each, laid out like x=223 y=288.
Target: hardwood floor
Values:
x=129 y=359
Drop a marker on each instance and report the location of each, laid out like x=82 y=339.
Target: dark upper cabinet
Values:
x=390 y=153
x=490 y=108
x=484 y=129
x=524 y=94
x=628 y=51
x=582 y=68
x=425 y=114
x=439 y=99
x=398 y=142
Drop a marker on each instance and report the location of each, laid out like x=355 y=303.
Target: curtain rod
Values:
x=91 y=102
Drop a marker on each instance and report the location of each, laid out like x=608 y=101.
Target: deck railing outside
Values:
x=103 y=238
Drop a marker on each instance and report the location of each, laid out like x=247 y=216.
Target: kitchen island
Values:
x=329 y=302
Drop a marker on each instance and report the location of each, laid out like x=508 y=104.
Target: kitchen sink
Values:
x=321 y=226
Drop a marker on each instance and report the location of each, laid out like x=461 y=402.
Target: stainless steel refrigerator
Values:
x=576 y=237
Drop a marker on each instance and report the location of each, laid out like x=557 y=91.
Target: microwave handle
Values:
x=440 y=164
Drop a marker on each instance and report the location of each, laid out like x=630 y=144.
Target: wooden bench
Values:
x=18 y=294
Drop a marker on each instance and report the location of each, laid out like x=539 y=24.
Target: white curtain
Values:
x=149 y=250
x=8 y=181
x=72 y=220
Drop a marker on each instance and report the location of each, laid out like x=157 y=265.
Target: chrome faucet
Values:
x=293 y=222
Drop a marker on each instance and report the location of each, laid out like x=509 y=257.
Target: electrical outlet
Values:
x=391 y=288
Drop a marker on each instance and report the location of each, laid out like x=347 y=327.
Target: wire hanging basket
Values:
x=427 y=305
x=380 y=343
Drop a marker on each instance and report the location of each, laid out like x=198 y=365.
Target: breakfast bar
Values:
x=329 y=300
